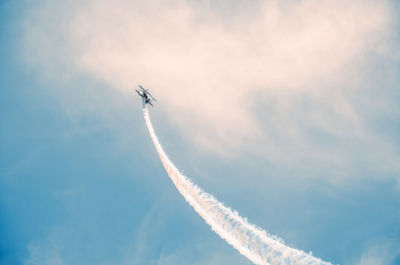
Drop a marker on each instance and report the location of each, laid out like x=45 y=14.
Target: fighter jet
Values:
x=145 y=94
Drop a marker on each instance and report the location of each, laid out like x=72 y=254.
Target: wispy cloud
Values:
x=284 y=75
x=382 y=253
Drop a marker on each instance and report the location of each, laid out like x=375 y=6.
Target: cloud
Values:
x=383 y=253
x=232 y=77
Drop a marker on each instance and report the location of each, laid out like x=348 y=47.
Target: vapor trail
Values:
x=252 y=242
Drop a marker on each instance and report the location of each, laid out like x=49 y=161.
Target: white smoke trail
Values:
x=251 y=241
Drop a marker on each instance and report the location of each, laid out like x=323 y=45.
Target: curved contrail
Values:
x=252 y=242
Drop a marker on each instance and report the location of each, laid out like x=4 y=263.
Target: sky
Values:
x=286 y=111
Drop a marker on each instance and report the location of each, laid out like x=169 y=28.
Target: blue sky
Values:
x=313 y=158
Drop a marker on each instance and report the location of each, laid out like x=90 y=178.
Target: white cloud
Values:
x=211 y=69
x=207 y=71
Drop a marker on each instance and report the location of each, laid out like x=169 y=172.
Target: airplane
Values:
x=145 y=94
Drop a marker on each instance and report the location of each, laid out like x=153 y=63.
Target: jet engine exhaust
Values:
x=252 y=242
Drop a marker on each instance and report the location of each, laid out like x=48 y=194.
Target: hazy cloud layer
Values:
x=283 y=75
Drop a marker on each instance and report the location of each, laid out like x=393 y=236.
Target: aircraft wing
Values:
x=143 y=89
x=137 y=91
x=153 y=98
